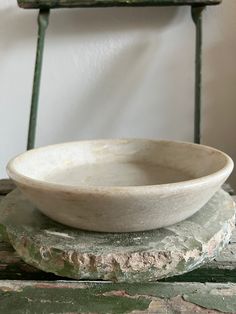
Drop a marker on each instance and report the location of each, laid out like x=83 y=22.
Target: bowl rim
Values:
x=166 y=187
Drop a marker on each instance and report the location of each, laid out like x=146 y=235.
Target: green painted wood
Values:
x=197 y=19
x=43 y=20
x=98 y=298
x=131 y=257
x=40 y=4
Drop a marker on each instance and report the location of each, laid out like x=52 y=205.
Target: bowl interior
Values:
x=119 y=163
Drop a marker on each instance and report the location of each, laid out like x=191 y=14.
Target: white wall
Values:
x=118 y=72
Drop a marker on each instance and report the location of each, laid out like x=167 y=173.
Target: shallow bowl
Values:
x=120 y=185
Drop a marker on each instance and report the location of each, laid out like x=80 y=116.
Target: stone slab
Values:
x=143 y=256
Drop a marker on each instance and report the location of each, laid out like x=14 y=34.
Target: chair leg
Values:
x=43 y=19
x=197 y=19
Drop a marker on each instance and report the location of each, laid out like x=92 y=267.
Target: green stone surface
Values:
x=34 y=4
x=132 y=257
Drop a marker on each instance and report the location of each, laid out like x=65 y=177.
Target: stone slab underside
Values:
x=130 y=257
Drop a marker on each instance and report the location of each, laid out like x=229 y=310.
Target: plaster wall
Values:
x=117 y=72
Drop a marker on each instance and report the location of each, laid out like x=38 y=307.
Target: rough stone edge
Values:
x=133 y=267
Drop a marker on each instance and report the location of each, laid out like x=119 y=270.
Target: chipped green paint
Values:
x=218 y=300
x=139 y=257
x=36 y=4
x=76 y=297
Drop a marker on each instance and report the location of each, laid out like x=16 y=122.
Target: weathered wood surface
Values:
x=130 y=257
x=34 y=4
x=101 y=298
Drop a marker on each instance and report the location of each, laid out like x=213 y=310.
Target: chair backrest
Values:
x=53 y=4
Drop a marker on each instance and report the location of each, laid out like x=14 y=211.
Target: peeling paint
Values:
x=102 y=298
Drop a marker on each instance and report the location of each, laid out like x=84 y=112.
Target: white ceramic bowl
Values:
x=120 y=185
